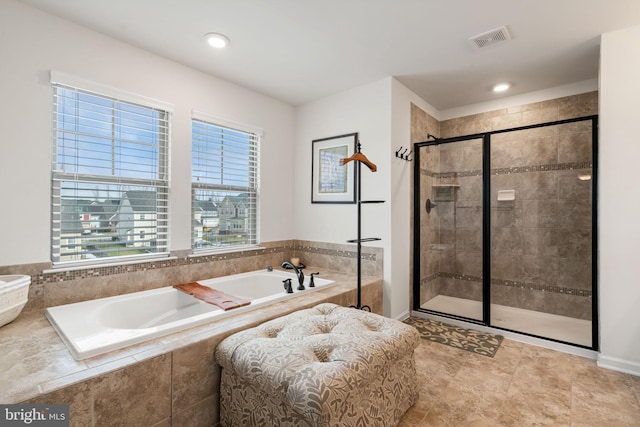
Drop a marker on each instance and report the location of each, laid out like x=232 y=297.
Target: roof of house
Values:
x=237 y=199
x=206 y=205
x=142 y=201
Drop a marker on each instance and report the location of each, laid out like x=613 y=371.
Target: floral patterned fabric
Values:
x=325 y=366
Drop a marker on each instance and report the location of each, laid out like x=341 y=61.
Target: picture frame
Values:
x=331 y=181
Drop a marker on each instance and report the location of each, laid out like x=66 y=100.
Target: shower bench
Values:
x=323 y=366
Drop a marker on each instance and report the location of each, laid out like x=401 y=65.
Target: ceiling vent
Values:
x=490 y=38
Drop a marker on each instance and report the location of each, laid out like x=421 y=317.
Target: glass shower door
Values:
x=506 y=229
x=451 y=233
x=541 y=231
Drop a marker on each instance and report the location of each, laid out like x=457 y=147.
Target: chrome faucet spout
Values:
x=299 y=274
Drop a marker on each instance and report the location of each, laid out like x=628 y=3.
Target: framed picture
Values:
x=331 y=181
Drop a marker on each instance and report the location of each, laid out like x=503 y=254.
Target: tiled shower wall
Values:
x=50 y=287
x=541 y=241
x=456 y=188
x=423 y=128
x=541 y=258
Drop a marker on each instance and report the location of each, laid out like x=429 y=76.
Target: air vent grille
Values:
x=499 y=35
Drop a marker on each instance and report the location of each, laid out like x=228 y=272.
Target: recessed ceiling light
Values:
x=501 y=87
x=217 y=40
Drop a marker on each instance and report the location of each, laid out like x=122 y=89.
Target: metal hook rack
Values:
x=404 y=155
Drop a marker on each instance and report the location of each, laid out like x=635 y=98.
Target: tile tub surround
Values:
x=340 y=257
x=159 y=382
x=51 y=287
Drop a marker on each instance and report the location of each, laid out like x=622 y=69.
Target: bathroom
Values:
x=290 y=225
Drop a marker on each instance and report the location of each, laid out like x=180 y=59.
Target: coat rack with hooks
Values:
x=403 y=154
x=359 y=159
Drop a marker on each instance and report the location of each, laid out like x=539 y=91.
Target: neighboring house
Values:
x=122 y=221
x=84 y=222
x=87 y=224
x=206 y=212
x=75 y=214
x=135 y=220
x=205 y=220
x=233 y=214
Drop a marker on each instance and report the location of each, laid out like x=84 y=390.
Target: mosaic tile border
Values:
x=99 y=271
x=177 y=261
x=511 y=284
x=506 y=171
x=543 y=168
x=337 y=252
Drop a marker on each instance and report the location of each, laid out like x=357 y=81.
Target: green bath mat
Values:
x=457 y=337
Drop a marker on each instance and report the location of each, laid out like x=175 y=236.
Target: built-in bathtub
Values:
x=95 y=327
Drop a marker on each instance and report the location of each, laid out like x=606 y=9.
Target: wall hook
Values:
x=404 y=155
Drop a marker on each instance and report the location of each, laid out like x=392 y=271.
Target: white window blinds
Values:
x=109 y=177
x=224 y=184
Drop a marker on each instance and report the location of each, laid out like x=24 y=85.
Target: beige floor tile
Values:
x=440 y=358
x=416 y=413
x=480 y=376
x=635 y=383
x=528 y=409
x=522 y=385
x=462 y=407
x=607 y=396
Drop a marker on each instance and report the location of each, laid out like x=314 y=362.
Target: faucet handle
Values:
x=311 y=283
x=287 y=286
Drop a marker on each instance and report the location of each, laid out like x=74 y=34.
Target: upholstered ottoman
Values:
x=324 y=366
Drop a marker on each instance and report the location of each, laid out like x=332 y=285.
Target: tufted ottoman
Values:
x=324 y=366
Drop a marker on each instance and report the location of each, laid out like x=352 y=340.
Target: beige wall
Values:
x=619 y=201
x=35 y=42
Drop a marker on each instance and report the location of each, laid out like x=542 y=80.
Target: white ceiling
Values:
x=301 y=50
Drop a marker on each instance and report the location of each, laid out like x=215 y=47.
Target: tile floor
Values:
x=523 y=385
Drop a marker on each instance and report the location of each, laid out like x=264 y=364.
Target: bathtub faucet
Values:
x=299 y=273
x=287 y=286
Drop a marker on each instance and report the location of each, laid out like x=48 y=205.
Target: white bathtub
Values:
x=94 y=327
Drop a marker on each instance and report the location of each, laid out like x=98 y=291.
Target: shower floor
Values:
x=562 y=328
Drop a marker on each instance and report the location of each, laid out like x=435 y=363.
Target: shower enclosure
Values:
x=505 y=229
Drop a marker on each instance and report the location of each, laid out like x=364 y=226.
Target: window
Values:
x=224 y=167
x=109 y=177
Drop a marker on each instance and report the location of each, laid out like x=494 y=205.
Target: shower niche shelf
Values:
x=443 y=192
